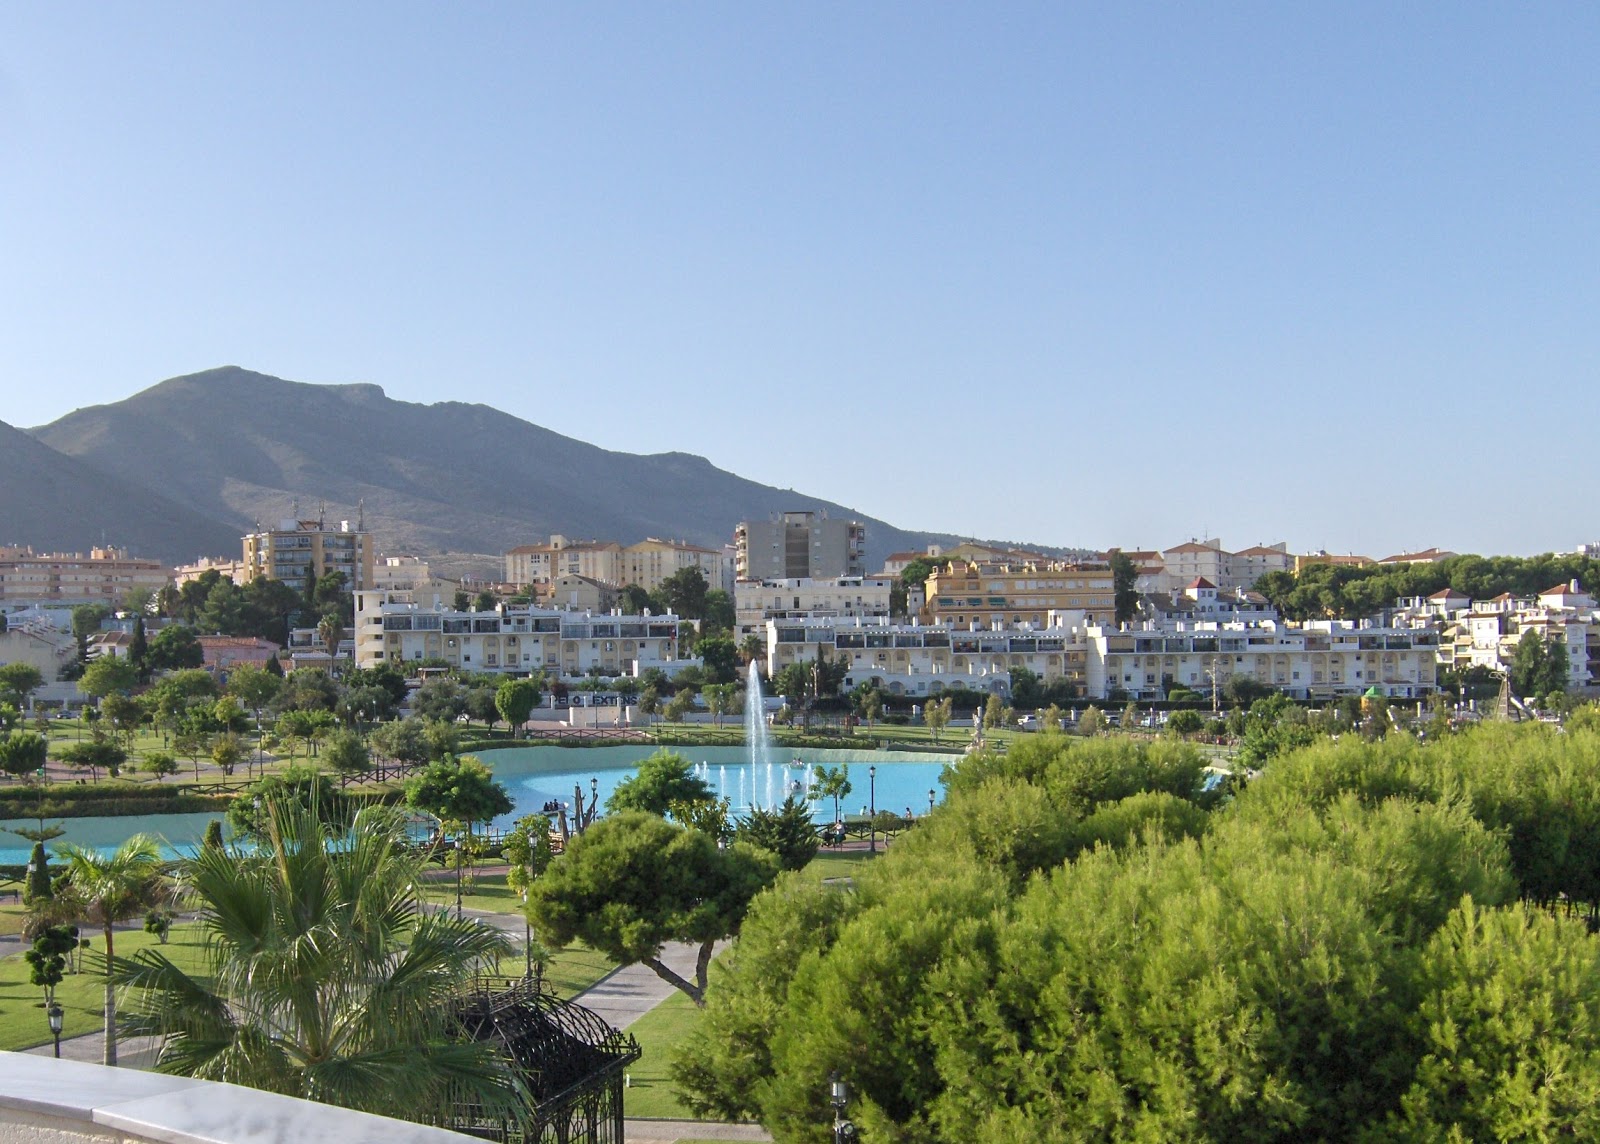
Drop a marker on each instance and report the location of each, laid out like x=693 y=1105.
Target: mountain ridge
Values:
x=239 y=447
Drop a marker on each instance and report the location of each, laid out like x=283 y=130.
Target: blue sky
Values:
x=1070 y=274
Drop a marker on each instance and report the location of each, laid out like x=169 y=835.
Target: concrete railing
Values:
x=46 y=1101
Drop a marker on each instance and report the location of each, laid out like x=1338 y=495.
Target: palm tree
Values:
x=325 y=977
x=331 y=631
x=105 y=890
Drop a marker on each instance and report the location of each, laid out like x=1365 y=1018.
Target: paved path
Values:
x=624 y=995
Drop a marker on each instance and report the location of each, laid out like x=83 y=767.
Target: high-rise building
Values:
x=297 y=548
x=800 y=545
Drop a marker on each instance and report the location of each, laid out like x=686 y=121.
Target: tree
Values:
x=1185 y=722
x=937 y=716
x=405 y=741
x=108 y=674
x=18 y=681
x=159 y=763
x=1124 y=587
x=830 y=782
x=1539 y=666
x=633 y=882
x=719 y=699
x=47 y=959
x=787 y=832
x=123 y=713
x=515 y=700
x=868 y=703
x=721 y=656
x=330 y=630
x=226 y=751
x=93 y=755
x=662 y=779
x=993 y=713
x=1093 y=721
x=325 y=975
x=1507 y=1025
x=254 y=686
x=439 y=699
x=685 y=593
x=481 y=706
x=86 y=621
x=23 y=753
x=37 y=886
x=462 y=790
x=104 y=890
x=174 y=648
x=679 y=705
x=719 y=612
x=635 y=600
x=347 y=753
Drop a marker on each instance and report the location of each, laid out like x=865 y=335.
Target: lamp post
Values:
x=55 y=1015
x=838 y=1097
x=931 y=794
x=872 y=809
x=594 y=797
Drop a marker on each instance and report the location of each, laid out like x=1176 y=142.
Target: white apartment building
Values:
x=1485 y=633
x=512 y=639
x=1321 y=659
x=923 y=660
x=844 y=597
x=1208 y=560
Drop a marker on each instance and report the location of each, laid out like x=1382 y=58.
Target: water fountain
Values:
x=756 y=735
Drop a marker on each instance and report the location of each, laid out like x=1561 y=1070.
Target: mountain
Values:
x=54 y=503
x=233 y=447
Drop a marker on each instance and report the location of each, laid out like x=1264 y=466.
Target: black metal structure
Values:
x=570 y=1059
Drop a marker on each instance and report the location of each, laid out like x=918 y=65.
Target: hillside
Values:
x=57 y=503
x=239 y=447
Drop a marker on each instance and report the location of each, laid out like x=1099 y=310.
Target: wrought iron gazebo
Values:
x=570 y=1059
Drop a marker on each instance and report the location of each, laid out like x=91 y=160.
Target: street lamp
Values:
x=55 y=1015
x=872 y=821
x=931 y=793
x=838 y=1097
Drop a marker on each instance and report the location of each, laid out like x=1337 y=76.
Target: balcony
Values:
x=45 y=1099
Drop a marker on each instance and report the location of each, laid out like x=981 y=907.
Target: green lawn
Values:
x=659 y=1032
x=82 y=995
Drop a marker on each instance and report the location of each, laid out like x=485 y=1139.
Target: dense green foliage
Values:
x=662 y=780
x=634 y=881
x=1373 y=941
x=1328 y=591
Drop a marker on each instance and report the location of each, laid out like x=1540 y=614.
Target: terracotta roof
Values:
x=1447 y=594
x=1200 y=582
x=1562 y=590
x=1262 y=550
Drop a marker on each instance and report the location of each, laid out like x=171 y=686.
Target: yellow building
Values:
x=296 y=547
x=1007 y=594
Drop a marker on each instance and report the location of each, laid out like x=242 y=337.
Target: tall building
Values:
x=298 y=547
x=800 y=546
x=104 y=576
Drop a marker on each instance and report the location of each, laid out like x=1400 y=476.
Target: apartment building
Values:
x=298 y=548
x=104 y=576
x=653 y=560
x=647 y=563
x=1003 y=595
x=226 y=567
x=1319 y=660
x=922 y=660
x=843 y=597
x=800 y=546
x=1207 y=559
x=1485 y=633
x=513 y=639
